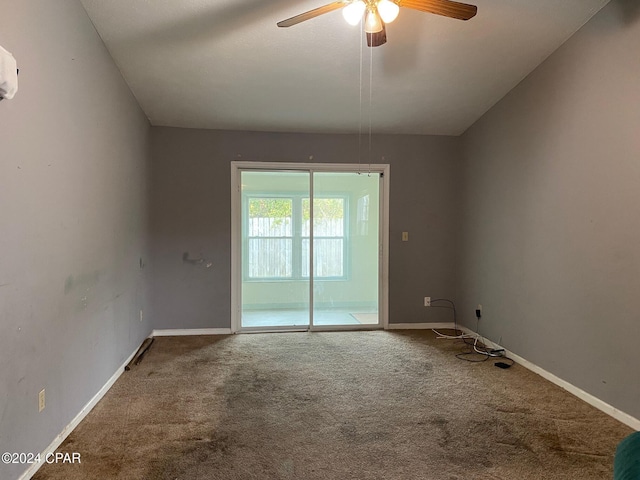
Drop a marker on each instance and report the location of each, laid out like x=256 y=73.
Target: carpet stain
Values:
x=442 y=424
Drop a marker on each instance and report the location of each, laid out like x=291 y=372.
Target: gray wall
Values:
x=73 y=161
x=551 y=224
x=191 y=203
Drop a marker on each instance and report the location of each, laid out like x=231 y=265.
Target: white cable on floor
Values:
x=451 y=337
x=455 y=321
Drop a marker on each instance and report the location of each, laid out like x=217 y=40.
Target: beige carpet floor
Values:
x=343 y=405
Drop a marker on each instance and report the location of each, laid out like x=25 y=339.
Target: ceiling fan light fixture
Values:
x=373 y=22
x=353 y=12
x=388 y=10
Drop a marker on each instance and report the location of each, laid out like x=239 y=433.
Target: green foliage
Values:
x=270 y=208
x=323 y=209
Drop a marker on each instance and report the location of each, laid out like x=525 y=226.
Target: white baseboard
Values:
x=581 y=394
x=177 y=332
x=420 y=326
x=31 y=471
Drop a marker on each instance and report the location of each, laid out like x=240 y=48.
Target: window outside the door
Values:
x=278 y=234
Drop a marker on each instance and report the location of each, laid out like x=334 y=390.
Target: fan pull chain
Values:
x=360 y=113
x=370 y=104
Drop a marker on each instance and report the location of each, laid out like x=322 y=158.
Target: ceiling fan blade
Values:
x=377 y=39
x=447 y=8
x=311 y=14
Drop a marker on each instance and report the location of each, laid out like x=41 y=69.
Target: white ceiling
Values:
x=223 y=64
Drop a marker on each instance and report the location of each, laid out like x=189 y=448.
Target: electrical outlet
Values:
x=427 y=301
x=41 y=400
x=141 y=315
x=405 y=236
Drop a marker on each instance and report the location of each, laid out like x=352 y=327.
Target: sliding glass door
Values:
x=275 y=279
x=310 y=249
x=345 y=248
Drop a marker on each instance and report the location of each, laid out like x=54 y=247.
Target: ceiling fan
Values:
x=377 y=13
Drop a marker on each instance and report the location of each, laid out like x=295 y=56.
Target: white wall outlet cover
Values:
x=41 y=400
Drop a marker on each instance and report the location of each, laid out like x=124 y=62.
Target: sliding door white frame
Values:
x=236 y=235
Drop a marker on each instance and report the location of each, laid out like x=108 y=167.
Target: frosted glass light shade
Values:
x=388 y=10
x=353 y=12
x=372 y=23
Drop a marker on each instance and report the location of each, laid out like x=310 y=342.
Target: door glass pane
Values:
x=345 y=248
x=329 y=222
x=270 y=237
x=275 y=280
